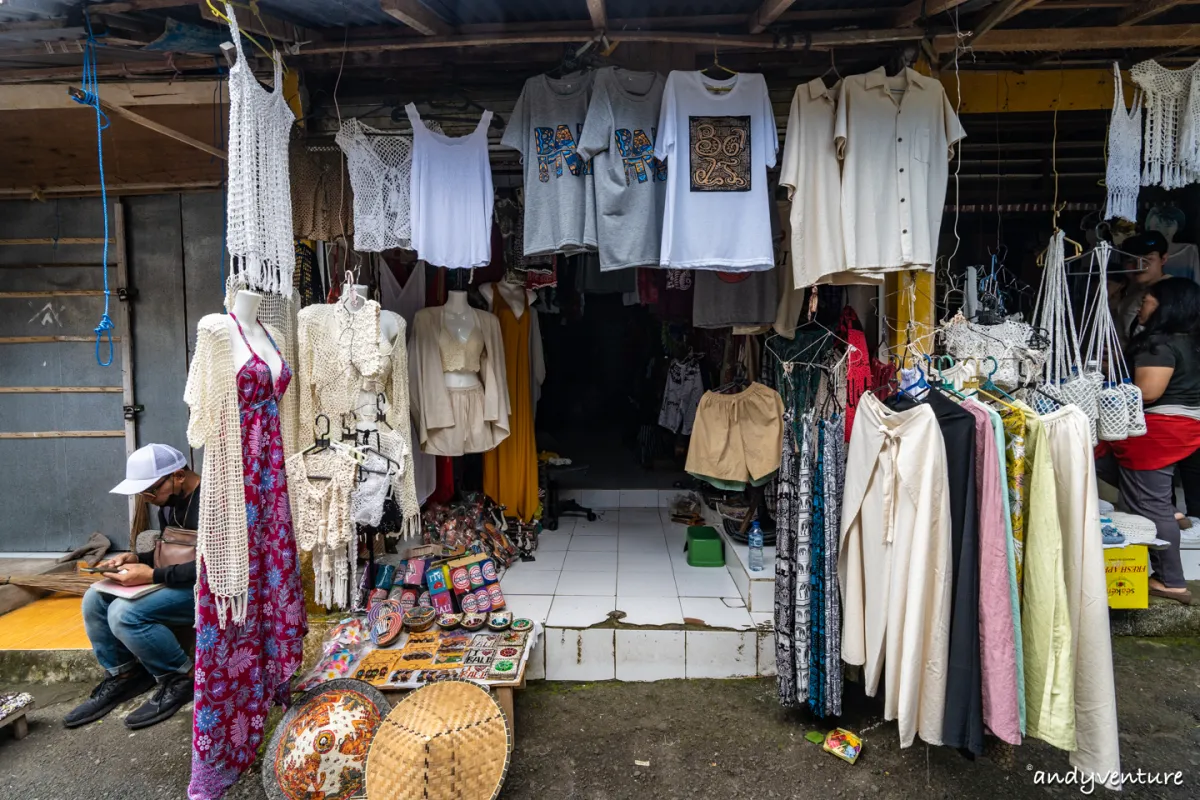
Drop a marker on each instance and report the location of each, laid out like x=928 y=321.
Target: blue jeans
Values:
x=125 y=632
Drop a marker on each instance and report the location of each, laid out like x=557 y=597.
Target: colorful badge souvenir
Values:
x=489 y=570
x=475 y=573
x=435 y=579
x=460 y=580
x=408 y=599
x=483 y=600
x=442 y=602
x=497 y=596
x=469 y=604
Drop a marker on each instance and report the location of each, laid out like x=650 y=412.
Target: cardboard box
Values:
x=1127 y=570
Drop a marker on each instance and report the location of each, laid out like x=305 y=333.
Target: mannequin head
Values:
x=1166 y=220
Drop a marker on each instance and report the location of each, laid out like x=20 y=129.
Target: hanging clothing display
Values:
x=997 y=635
x=320 y=186
x=240 y=669
x=545 y=126
x=792 y=561
x=681 y=396
x=718 y=139
x=510 y=471
x=964 y=714
x=1045 y=619
x=451 y=195
x=258 y=213
x=630 y=182
x=737 y=438
x=894 y=564
x=345 y=365
x=1123 y=176
x=452 y=421
x=1097 y=744
x=1171 y=151
x=895 y=137
x=724 y=299
x=406 y=301
x=828 y=636
x=813 y=177
x=380 y=167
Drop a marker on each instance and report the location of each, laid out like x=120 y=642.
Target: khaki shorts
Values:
x=737 y=437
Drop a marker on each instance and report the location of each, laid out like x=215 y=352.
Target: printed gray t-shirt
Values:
x=546 y=123
x=631 y=184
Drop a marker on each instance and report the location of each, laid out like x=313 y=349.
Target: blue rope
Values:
x=91 y=97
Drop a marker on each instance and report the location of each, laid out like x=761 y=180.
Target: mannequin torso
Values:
x=389 y=321
x=459 y=321
x=517 y=296
x=245 y=308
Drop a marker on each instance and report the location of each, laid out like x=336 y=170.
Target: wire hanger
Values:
x=320 y=436
x=274 y=56
x=832 y=68
x=720 y=71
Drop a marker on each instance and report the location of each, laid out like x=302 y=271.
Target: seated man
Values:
x=131 y=638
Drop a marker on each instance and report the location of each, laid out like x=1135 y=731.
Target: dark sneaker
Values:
x=172 y=694
x=112 y=691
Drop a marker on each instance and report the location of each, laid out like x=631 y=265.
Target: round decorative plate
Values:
x=449 y=621
x=500 y=620
x=320 y=746
x=473 y=622
x=521 y=624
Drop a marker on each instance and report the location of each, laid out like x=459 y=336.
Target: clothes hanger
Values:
x=273 y=55
x=720 y=70
x=832 y=68
x=320 y=436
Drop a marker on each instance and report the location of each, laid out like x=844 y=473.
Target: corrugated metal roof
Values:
x=26 y=10
x=328 y=13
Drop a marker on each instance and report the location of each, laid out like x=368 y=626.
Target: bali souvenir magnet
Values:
x=489 y=570
x=511 y=639
x=442 y=602
x=496 y=596
x=423 y=599
x=509 y=652
x=469 y=604
x=521 y=625
x=435 y=579
x=479 y=672
x=483 y=601
x=408 y=599
x=460 y=580
x=414 y=575
x=479 y=657
x=475 y=573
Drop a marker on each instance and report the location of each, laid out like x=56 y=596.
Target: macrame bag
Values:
x=1119 y=412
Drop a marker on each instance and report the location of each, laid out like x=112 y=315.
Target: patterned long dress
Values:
x=817 y=642
x=240 y=670
x=792 y=532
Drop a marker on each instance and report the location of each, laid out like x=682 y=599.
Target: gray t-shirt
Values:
x=631 y=184
x=560 y=212
x=725 y=299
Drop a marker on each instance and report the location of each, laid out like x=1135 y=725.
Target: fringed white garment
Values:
x=259 y=205
x=341 y=358
x=1123 y=177
x=215 y=424
x=894 y=564
x=1097 y=746
x=320 y=485
x=1169 y=154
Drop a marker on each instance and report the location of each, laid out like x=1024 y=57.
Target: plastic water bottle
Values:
x=756 y=547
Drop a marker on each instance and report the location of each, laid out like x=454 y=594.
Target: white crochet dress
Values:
x=1171 y=154
x=259 y=205
x=1124 y=175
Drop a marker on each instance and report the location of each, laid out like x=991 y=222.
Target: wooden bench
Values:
x=16 y=718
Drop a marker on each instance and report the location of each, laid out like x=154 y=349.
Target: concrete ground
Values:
x=722 y=740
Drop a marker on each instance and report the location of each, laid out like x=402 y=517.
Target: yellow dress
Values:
x=510 y=471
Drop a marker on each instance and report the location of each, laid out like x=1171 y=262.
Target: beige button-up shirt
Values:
x=895 y=136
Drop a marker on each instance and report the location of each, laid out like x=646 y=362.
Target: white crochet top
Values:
x=319 y=486
x=259 y=205
x=1124 y=175
x=1171 y=155
x=215 y=425
x=340 y=358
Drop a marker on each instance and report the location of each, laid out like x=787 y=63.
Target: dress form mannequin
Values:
x=459 y=320
x=389 y=325
x=245 y=308
x=512 y=294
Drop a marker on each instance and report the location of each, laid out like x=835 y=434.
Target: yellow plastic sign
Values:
x=1127 y=570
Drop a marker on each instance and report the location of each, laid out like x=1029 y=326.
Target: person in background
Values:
x=132 y=639
x=1164 y=359
x=1152 y=248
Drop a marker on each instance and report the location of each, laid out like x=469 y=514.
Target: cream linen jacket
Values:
x=894 y=563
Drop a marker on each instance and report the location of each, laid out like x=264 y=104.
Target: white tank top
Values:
x=451 y=197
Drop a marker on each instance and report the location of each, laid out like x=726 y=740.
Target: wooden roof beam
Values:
x=157 y=127
x=598 y=14
x=767 y=13
x=1145 y=9
x=1149 y=37
x=998 y=13
x=138 y=5
x=923 y=8
x=416 y=16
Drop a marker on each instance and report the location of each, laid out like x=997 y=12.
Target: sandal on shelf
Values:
x=1183 y=598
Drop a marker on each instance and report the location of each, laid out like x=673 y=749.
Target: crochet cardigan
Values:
x=341 y=357
x=215 y=424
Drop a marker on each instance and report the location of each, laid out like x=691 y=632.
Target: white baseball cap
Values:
x=147 y=465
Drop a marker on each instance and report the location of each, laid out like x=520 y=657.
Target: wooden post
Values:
x=126 y=343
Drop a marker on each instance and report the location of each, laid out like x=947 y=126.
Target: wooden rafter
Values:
x=137 y=5
x=767 y=13
x=71 y=72
x=258 y=25
x=1063 y=39
x=1145 y=9
x=157 y=127
x=598 y=14
x=33 y=25
x=997 y=14
x=1022 y=8
x=923 y=8
x=416 y=16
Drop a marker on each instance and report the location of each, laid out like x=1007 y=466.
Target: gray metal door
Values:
x=63 y=433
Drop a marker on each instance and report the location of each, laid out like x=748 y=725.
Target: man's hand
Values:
x=133 y=575
x=117 y=561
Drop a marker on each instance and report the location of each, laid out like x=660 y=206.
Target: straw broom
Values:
x=67 y=582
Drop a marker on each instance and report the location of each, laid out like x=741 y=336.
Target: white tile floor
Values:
x=629 y=559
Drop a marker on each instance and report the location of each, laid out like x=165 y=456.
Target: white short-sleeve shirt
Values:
x=718 y=146
x=895 y=136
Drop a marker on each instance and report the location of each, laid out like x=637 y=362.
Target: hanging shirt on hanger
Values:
x=894 y=136
x=451 y=195
x=718 y=138
x=630 y=182
x=545 y=126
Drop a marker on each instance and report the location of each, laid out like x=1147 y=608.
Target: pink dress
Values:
x=241 y=670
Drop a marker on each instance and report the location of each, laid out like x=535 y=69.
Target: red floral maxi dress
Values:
x=241 y=669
